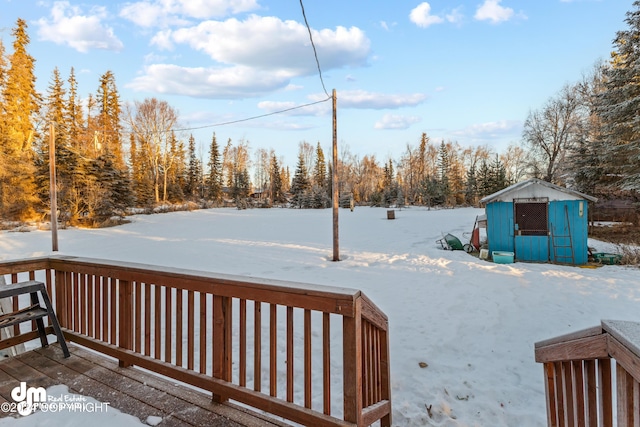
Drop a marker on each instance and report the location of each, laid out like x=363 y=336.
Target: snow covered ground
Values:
x=473 y=323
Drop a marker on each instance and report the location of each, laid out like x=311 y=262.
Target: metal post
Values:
x=334 y=182
x=52 y=188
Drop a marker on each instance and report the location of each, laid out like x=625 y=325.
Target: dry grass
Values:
x=626 y=236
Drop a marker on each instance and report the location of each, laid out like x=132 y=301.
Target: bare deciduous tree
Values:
x=551 y=132
x=152 y=122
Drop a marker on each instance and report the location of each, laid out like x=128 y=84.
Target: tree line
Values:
x=113 y=156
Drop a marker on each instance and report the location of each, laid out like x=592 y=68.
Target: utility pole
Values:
x=52 y=187
x=334 y=182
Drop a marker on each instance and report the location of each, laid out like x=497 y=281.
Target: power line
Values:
x=315 y=53
x=254 y=117
x=273 y=113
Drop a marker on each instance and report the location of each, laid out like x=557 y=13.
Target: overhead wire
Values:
x=315 y=52
x=273 y=113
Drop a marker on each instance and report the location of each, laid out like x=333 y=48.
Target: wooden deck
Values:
x=130 y=390
x=266 y=344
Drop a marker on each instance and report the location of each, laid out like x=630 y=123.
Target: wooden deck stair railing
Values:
x=200 y=328
x=591 y=373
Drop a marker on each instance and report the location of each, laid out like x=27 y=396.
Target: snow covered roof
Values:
x=536 y=188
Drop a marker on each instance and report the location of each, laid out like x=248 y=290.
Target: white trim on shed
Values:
x=536 y=188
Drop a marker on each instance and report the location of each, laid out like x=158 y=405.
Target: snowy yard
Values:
x=473 y=323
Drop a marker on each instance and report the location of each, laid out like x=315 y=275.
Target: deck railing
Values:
x=590 y=373
x=314 y=355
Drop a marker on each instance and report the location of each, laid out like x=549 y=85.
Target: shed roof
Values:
x=535 y=188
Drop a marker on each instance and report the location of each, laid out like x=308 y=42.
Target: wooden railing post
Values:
x=125 y=318
x=61 y=298
x=385 y=374
x=222 y=341
x=352 y=362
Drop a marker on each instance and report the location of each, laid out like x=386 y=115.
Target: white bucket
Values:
x=484 y=253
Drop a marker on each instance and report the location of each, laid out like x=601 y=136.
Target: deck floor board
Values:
x=130 y=390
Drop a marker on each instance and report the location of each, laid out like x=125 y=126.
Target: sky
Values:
x=472 y=322
x=468 y=71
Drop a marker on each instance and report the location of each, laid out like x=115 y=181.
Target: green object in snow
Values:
x=450 y=242
x=605 y=258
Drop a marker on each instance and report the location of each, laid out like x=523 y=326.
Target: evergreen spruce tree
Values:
x=389 y=190
x=400 y=198
x=586 y=164
x=444 y=169
x=431 y=191
x=3 y=126
x=240 y=188
x=3 y=76
x=74 y=117
x=108 y=101
x=214 y=178
x=174 y=171
x=90 y=145
x=108 y=142
x=275 y=180
x=589 y=167
x=498 y=176
x=471 y=186
x=620 y=102
x=485 y=182
x=67 y=161
x=300 y=184
x=192 y=186
x=21 y=103
x=109 y=190
x=320 y=168
x=320 y=196
x=142 y=182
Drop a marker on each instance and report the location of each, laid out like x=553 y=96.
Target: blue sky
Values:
x=460 y=70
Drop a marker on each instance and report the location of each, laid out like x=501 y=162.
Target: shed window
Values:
x=531 y=219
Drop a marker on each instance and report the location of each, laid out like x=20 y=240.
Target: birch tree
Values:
x=152 y=122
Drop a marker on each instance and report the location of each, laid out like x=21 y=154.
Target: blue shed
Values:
x=539 y=222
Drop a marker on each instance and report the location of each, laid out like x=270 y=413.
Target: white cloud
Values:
x=356 y=99
x=490 y=130
x=388 y=26
x=317 y=109
x=208 y=82
x=456 y=16
x=68 y=25
x=393 y=121
x=421 y=16
x=378 y=101
x=272 y=44
x=491 y=10
x=251 y=57
x=144 y=14
x=292 y=87
x=159 y=13
x=152 y=58
x=271 y=106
